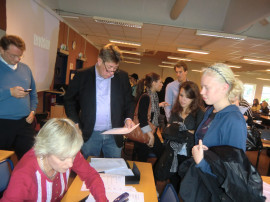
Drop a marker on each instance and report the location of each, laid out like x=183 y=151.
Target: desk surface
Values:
x=266 y=179
x=4 y=154
x=147 y=185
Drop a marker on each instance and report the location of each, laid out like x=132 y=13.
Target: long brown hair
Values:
x=192 y=92
x=147 y=82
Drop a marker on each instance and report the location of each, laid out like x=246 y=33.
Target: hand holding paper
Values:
x=119 y=131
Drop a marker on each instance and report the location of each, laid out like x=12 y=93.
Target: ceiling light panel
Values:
x=118 y=22
x=220 y=35
x=178 y=58
x=131 y=52
x=193 y=51
x=233 y=66
x=132 y=58
x=256 y=60
x=125 y=42
x=168 y=63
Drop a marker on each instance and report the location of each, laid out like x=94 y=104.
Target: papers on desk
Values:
x=115 y=186
x=119 y=131
x=116 y=166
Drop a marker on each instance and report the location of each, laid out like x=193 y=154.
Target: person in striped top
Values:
x=43 y=172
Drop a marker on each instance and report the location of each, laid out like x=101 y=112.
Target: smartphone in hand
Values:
x=27 y=90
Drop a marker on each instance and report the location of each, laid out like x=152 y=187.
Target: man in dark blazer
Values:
x=99 y=98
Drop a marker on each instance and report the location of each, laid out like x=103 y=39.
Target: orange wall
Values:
x=91 y=53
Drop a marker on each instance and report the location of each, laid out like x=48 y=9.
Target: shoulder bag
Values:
x=137 y=134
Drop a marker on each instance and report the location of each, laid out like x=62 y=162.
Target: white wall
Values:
x=39 y=29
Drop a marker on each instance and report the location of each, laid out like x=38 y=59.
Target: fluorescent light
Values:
x=69 y=16
x=118 y=22
x=236 y=75
x=192 y=51
x=137 y=63
x=131 y=52
x=268 y=70
x=168 y=63
x=167 y=66
x=233 y=66
x=263 y=79
x=194 y=70
x=177 y=58
x=220 y=35
x=132 y=58
x=125 y=42
x=256 y=60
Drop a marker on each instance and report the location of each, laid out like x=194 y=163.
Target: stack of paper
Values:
x=116 y=166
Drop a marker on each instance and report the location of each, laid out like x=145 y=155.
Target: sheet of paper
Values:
x=111 y=182
x=119 y=131
x=120 y=171
x=105 y=164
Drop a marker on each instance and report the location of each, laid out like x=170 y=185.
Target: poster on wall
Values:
x=39 y=28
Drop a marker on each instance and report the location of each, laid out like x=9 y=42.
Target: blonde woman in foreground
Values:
x=43 y=172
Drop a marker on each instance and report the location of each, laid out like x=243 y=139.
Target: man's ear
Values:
x=99 y=61
x=1 y=50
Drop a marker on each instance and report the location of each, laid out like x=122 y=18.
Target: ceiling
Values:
x=170 y=24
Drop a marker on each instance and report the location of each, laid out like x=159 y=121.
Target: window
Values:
x=266 y=94
x=249 y=92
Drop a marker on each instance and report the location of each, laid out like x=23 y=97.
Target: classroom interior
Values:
x=57 y=45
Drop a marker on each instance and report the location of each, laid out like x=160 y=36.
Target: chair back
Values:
x=5 y=173
x=169 y=194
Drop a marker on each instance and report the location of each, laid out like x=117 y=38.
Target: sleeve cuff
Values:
x=146 y=129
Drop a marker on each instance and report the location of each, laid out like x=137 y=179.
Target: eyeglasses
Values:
x=14 y=56
x=110 y=71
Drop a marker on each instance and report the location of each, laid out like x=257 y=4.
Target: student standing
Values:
x=17 y=102
x=104 y=95
x=172 y=88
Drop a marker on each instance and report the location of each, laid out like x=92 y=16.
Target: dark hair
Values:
x=135 y=76
x=181 y=64
x=110 y=53
x=167 y=81
x=145 y=82
x=256 y=102
x=7 y=40
x=192 y=92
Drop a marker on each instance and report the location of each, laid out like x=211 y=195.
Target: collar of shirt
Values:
x=14 y=67
x=98 y=76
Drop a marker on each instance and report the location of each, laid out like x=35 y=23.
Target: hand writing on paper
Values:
x=197 y=152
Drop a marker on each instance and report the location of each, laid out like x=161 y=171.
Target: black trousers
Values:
x=16 y=135
x=142 y=150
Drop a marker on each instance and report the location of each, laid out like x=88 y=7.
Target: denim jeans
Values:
x=98 y=142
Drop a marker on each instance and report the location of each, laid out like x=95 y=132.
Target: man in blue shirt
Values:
x=104 y=95
x=172 y=89
x=18 y=97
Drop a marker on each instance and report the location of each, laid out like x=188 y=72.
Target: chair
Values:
x=5 y=173
x=169 y=194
